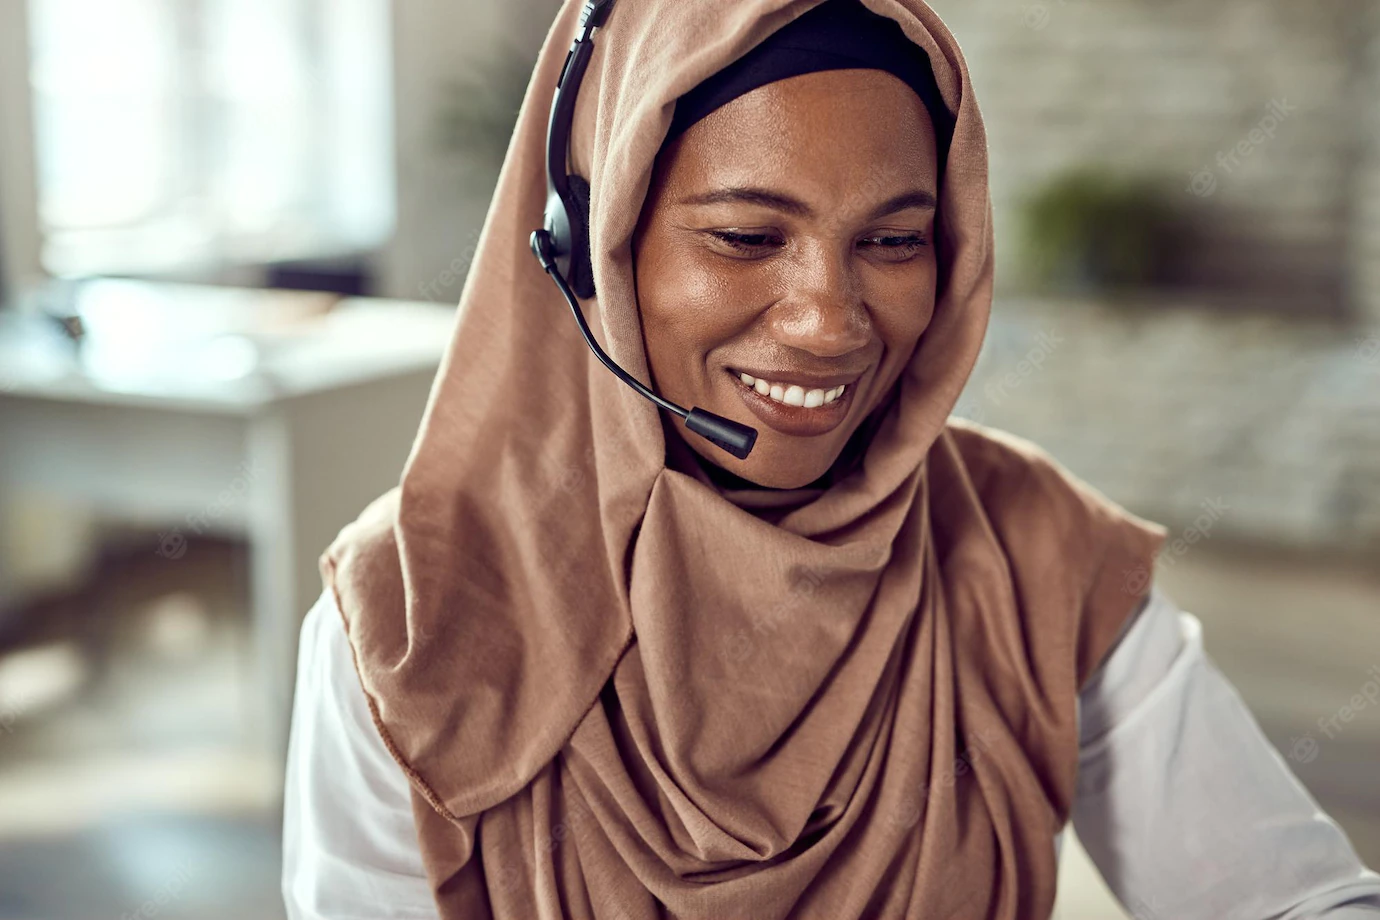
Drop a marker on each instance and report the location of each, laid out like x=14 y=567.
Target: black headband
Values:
x=836 y=35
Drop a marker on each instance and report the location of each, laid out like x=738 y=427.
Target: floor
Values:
x=126 y=789
x=125 y=786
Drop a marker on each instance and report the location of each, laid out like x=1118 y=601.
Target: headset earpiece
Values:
x=581 y=275
x=567 y=234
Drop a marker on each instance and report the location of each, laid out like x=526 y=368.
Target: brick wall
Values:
x=1291 y=211
x=1366 y=216
x=1269 y=425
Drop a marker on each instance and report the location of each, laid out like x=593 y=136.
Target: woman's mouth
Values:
x=794 y=408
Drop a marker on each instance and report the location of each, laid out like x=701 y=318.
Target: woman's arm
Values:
x=1185 y=807
x=349 y=840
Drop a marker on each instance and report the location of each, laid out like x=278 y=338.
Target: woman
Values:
x=584 y=663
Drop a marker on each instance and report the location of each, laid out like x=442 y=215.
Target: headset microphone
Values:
x=562 y=245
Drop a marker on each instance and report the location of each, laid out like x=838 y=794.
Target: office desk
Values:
x=275 y=416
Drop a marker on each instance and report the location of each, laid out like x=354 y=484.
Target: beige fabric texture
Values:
x=619 y=690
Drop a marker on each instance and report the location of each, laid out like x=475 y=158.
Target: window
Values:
x=181 y=136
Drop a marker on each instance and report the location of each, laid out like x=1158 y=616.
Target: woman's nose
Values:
x=822 y=311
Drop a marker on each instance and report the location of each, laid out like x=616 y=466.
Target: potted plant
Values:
x=1090 y=229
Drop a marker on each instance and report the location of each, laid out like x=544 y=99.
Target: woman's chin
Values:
x=770 y=465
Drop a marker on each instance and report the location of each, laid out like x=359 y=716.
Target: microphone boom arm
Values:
x=734 y=437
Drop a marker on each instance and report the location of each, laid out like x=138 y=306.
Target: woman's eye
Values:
x=745 y=241
x=898 y=247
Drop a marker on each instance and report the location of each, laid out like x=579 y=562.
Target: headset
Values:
x=562 y=245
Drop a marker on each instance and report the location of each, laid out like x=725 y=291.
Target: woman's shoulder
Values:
x=999 y=460
x=1061 y=539
x=1019 y=484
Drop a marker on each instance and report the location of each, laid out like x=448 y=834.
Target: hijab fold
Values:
x=624 y=686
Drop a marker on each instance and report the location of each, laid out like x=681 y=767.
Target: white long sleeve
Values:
x=1182 y=804
x=349 y=839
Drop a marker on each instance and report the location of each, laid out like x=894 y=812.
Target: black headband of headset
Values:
x=567 y=196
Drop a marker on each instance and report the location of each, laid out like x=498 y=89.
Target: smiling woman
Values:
x=585 y=664
x=770 y=281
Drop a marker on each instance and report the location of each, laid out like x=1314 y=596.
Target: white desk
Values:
x=270 y=415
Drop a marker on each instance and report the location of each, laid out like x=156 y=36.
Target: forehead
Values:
x=821 y=134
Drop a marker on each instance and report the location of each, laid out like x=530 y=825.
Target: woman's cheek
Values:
x=704 y=298
x=903 y=324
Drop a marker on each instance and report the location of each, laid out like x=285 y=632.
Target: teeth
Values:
x=793 y=394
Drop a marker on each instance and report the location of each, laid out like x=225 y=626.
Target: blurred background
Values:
x=232 y=235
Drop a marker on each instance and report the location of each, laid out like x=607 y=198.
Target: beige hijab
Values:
x=620 y=690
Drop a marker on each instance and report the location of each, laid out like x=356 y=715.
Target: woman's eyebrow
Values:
x=778 y=201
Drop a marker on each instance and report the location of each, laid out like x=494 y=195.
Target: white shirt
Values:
x=1183 y=805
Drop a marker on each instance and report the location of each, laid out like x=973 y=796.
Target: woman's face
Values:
x=789 y=236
